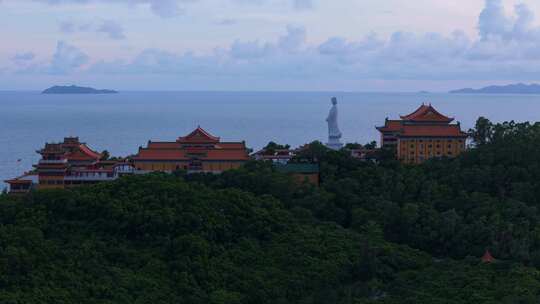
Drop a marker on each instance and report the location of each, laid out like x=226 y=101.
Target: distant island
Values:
x=519 y=88
x=73 y=89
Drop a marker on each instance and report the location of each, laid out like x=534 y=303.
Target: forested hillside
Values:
x=372 y=233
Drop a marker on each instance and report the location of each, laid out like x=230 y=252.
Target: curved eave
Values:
x=434 y=136
x=17 y=181
x=190 y=159
x=445 y=120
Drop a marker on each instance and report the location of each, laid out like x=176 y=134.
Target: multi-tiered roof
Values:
x=71 y=149
x=198 y=144
x=426 y=121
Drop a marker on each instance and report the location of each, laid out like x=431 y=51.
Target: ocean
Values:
x=120 y=123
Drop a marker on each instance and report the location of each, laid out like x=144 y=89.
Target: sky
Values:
x=269 y=45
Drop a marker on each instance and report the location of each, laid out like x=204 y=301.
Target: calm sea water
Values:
x=123 y=122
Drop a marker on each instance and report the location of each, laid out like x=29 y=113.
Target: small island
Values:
x=519 y=88
x=73 y=89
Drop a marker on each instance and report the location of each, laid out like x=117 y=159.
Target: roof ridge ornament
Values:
x=199 y=135
x=421 y=114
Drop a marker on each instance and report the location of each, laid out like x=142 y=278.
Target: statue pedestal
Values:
x=334 y=143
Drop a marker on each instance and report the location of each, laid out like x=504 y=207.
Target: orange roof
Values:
x=183 y=154
x=431 y=131
x=152 y=154
x=79 y=151
x=199 y=135
x=391 y=126
x=427 y=113
x=209 y=149
x=83 y=153
x=18 y=181
x=227 y=155
x=163 y=145
x=231 y=145
x=24 y=179
x=52 y=148
x=488 y=258
x=91 y=153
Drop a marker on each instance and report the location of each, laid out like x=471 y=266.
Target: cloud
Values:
x=493 y=23
x=303 y=4
x=249 y=50
x=24 y=57
x=299 y=5
x=113 y=29
x=67 y=59
x=69 y=27
x=163 y=8
x=294 y=39
x=226 y=21
x=506 y=48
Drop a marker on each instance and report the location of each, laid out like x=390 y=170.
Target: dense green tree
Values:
x=105 y=155
x=312 y=152
x=482 y=132
x=271 y=147
x=372 y=233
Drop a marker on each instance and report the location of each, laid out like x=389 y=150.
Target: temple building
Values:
x=276 y=156
x=24 y=183
x=72 y=163
x=66 y=164
x=422 y=135
x=199 y=151
x=58 y=159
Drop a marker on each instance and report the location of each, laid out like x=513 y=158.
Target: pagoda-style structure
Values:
x=199 y=151
x=72 y=163
x=59 y=158
x=422 y=135
x=66 y=164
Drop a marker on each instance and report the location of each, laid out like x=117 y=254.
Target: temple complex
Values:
x=199 y=151
x=416 y=137
x=422 y=135
x=59 y=159
x=66 y=164
x=73 y=163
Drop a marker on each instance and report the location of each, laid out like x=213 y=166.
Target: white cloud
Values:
x=163 y=8
x=294 y=39
x=299 y=5
x=24 y=57
x=111 y=28
x=303 y=4
x=66 y=59
x=506 y=48
x=70 y=27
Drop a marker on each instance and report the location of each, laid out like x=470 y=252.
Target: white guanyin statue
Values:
x=334 y=134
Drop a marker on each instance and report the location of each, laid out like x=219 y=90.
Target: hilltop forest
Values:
x=371 y=233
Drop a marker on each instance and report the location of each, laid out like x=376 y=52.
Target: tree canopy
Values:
x=372 y=233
